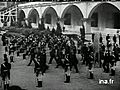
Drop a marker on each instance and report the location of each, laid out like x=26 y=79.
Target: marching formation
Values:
x=62 y=49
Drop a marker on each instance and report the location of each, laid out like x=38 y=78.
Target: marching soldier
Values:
x=90 y=68
x=114 y=39
x=39 y=78
x=73 y=58
x=112 y=63
x=67 y=73
x=32 y=55
x=52 y=55
x=106 y=61
x=43 y=65
x=11 y=53
x=6 y=49
x=5 y=72
x=59 y=57
x=90 y=65
x=107 y=37
x=38 y=72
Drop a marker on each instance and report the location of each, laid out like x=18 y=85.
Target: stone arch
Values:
x=21 y=15
x=105 y=15
x=74 y=13
x=33 y=16
x=50 y=16
x=21 y=18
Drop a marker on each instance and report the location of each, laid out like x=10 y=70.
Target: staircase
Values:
x=8 y=16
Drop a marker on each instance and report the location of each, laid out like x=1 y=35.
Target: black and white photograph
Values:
x=60 y=45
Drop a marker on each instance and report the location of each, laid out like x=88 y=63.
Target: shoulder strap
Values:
x=4 y=65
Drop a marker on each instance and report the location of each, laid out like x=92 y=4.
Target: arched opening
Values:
x=72 y=16
x=20 y=17
x=50 y=17
x=105 y=15
x=33 y=18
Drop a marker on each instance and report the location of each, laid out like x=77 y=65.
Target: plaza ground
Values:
x=23 y=76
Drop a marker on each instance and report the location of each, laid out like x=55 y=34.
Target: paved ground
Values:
x=23 y=76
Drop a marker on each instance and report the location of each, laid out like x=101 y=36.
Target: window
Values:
x=48 y=18
x=67 y=19
x=94 y=23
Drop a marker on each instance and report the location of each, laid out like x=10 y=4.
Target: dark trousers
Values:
x=51 y=58
x=91 y=75
x=31 y=59
x=112 y=72
x=24 y=56
x=106 y=67
x=67 y=79
x=6 y=49
x=59 y=62
x=39 y=84
x=18 y=53
x=11 y=59
x=6 y=86
x=75 y=66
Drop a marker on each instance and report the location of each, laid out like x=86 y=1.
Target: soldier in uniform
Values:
x=11 y=50
x=84 y=53
x=32 y=55
x=38 y=72
x=43 y=64
x=106 y=61
x=112 y=64
x=52 y=55
x=5 y=72
x=73 y=58
x=90 y=65
x=114 y=38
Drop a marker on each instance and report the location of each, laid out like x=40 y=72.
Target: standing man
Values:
x=53 y=55
x=107 y=37
x=5 y=72
x=32 y=55
x=73 y=58
x=114 y=39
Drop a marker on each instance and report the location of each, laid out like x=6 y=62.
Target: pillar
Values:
x=87 y=25
x=0 y=20
x=26 y=21
x=16 y=12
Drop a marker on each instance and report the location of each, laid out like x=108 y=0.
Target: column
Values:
x=0 y=20
x=26 y=21
x=87 y=25
x=16 y=12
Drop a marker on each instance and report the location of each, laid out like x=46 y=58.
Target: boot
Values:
x=24 y=56
x=67 y=79
x=7 y=86
x=112 y=72
x=91 y=75
x=11 y=59
x=39 y=84
x=18 y=53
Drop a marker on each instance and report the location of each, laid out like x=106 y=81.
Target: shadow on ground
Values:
x=14 y=87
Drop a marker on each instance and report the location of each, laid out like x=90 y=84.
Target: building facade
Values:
x=97 y=16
